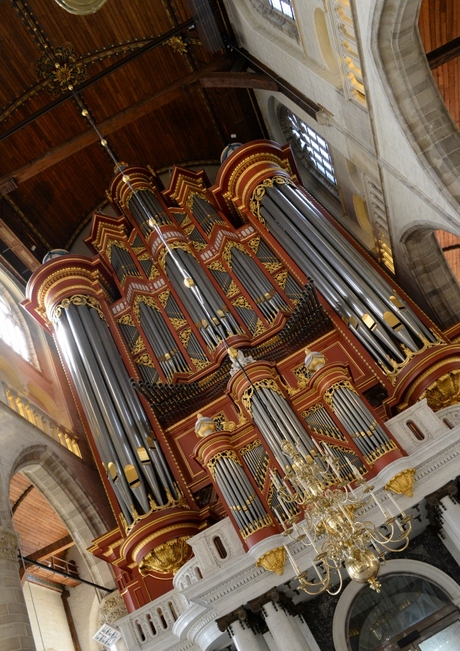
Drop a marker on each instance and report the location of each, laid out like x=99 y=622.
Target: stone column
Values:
x=243 y=637
x=15 y=629
x=283 y=628
x=450 y=532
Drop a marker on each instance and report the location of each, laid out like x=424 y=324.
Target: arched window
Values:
x=11 y=329
x=283 y=6
x=280 y=13
x=311 y=148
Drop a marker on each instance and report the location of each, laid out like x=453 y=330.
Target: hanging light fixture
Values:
x=331 y=525
x=81 y=7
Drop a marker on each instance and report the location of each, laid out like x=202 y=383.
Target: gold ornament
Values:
x=273 y=561
x=402 y=483
x=167 y=558
x=444 y=392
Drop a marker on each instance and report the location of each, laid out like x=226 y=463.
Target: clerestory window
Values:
x=280 y=13
x=283 y=6
x=314 y=146
x=11 y=331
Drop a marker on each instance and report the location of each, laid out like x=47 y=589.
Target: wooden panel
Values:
x=35 y=520
x=439 y=24
x=193 y=125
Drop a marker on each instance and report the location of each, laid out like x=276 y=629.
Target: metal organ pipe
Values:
x=121 y=428
x=366 y=271
x=290 y=242
x=105 y=400
x=387 y=317
x=141 y=424
x=95 y=418
x=330 y=282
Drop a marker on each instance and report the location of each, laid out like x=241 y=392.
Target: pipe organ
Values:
x=185 y=341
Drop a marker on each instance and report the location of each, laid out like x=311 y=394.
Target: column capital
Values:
x=240 y=614
x=8 y=545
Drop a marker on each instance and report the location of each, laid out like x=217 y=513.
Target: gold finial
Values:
x=232 y=352
x=188 y=282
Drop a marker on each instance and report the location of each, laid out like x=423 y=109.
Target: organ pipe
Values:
x=135 y=464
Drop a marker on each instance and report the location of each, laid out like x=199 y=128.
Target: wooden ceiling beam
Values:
x=443 y=54
x=51 y=550
x=160 y=40
x=238 y=80
x=110 y=125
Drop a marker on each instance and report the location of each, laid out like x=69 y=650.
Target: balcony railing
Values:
x=39 y=418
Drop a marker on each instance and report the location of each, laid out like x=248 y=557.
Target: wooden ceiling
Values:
x=156 y=109
x=439 y=25
x=43 y=536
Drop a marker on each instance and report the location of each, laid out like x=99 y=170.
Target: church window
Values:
x=11 y=331
x=313 y=146
x=283 y=6
x=280 y=13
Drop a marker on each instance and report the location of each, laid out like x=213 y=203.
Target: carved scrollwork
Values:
x=77 y=299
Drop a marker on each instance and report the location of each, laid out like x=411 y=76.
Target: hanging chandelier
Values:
x=81 y=7
x=331 y=524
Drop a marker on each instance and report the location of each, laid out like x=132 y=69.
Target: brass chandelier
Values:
x=331 y=526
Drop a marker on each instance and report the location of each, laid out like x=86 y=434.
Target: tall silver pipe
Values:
x=108 y=410
x=95 y=419
x=141 y=428
x=379 y=286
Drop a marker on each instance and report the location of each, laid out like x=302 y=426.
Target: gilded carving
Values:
x=138 y=346
x=402 y=483
x=177 y=44
x=77 y=299
x=227 y=252
x=169 y=247
x=148 y=300
x=118 y=243
x=126 y=319
x=281 y=279
x=343 y=384
x=259 y=193
x=246 y=398
x=444 y=392
x=145 y=360
x=200 y=364
x=167 y=558
x=254 y=244
x=273 y=561
x=225 y=454
x=60 y=69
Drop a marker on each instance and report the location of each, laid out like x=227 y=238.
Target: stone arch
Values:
x=403 y=566
x=405 y=74
x=60 y=486
x=435 y=278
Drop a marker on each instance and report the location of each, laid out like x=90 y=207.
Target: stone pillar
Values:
x=15 y=629
x=450 y=532
x=243 y=637
x=283 y=628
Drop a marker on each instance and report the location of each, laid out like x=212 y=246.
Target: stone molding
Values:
x=111 y=608
x=8 y=545
x=406 y=76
